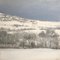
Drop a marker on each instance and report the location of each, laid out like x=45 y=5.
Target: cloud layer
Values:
x=34 y=9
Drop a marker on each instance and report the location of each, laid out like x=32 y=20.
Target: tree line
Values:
x=48 y=39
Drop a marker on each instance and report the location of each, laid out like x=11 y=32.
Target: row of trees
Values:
x=48 y=39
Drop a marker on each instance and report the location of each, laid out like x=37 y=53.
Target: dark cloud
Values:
x=34 y=9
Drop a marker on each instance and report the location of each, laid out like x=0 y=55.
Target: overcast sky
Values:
x=34 y=9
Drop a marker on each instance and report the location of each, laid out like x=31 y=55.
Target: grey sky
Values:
x=34 y=9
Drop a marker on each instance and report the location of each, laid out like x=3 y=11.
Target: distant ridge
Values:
x=9 y=21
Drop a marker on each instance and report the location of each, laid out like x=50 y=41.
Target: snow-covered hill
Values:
x=27 y=33
x=18 y=23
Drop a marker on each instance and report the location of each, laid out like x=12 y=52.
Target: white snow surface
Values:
x=29 y=54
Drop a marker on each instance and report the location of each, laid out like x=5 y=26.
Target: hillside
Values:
x=18 y=23
x=17 y=32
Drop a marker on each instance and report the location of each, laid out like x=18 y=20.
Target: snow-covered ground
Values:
x=29 y=54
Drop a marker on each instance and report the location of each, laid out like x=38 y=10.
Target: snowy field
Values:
x=29 y=54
